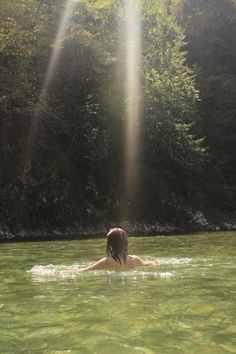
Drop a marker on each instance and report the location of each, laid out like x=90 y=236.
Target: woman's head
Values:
x=117 y=244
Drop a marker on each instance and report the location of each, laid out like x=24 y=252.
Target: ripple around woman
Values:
x=117 y=254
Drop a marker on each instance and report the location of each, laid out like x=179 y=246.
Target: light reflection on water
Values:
x=51 y=272
x=54 y=273
x=185 y=305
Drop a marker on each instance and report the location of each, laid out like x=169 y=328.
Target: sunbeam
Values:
x=50 y=73
x=132 y=69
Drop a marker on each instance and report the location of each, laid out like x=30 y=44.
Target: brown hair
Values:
x=117 y=244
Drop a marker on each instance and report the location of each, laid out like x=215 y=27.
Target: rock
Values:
x=199 y=218
x=57 y=233
x=36 y=234
x=229 y=226
x=199 y=222
x=213 y=227
x=168 y=229
x=126 y=225
x=5 y=233
x=22 y=234
x=1 y=234
x=8 y=235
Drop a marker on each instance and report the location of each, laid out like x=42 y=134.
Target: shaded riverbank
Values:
x=198 y=223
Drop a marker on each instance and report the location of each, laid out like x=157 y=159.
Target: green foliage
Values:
x=62 y=152
x=211 y=45
x=171 y=152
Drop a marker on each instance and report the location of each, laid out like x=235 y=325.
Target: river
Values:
x=187 y=304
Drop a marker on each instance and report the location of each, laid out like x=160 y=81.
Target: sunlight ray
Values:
x=132 y=90
x=50 y=73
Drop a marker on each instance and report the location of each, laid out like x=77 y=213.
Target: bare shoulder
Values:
x=137 y=260
x=100 y=264
x=140 y=262
x=103 y=260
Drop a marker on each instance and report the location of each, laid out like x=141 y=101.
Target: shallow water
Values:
x=185 y=305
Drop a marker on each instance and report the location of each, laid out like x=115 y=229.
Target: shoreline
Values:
x=134 y=229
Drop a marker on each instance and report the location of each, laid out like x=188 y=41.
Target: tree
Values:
x=172 y=154
x=72 y=171
x=211 y=41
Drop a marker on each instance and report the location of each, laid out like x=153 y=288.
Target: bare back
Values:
x=108 y=263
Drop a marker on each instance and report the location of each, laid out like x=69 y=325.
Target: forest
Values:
x=62 y=130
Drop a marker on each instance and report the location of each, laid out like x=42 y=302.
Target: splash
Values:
x=176 y=261
x=51 y=272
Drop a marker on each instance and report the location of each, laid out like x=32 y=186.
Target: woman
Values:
x=117 y=254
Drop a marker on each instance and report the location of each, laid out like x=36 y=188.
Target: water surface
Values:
x=185 y=305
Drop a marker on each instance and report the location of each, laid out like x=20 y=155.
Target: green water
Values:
x=185 y=305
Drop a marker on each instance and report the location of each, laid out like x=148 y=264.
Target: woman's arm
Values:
x=150 y=263
x=141 y=262
x=101 y=264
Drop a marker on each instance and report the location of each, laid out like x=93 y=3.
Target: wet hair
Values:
x=117 y=244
